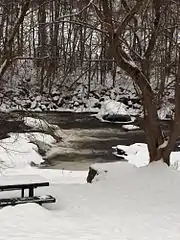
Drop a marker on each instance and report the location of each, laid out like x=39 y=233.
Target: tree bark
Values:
x=152 y=127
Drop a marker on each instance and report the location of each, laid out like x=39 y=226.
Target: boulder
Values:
x=55 y=99
x=117 y=118
x=121 y=152
x=124 y=100
x=136 y=100
x=97 y=105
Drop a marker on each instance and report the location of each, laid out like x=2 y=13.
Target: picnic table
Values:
x=23 y=182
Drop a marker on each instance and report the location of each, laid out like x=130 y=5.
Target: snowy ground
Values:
x=123 y=202
x=137 y=154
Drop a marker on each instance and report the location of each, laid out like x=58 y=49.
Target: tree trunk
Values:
x=139 y=67
x=151 y=121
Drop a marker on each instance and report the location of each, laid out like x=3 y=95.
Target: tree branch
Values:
x=152 y=41
x=129 y=16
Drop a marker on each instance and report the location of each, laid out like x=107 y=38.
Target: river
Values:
x=87 y=140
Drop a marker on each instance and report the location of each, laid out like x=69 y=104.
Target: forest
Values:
x=49 y=46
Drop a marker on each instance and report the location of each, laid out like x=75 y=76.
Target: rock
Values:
x=8 y=93
x=112 y=95
x=55 y=99
x=91 y=174
x=97 y=105
x=136 y=106
x=43 y=107
x=101 y=99
x=55 y=93
x=95 y=94
x=108 y=94
x=135 y=100
x=67 y=97
x=171 y=100
x=81 y=103
x=27 y=104
x=117 y=118
x=34 y=105
x=76 y=104
x=38 y=98
x=130 y=103
x=121 y=152
x=22 y=93
x=54 y=107
x=45 y=103
x=124 y=100
x=60 y=102
x=74 y=99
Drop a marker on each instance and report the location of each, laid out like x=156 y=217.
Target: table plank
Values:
x=22 y=181
x=38 y=199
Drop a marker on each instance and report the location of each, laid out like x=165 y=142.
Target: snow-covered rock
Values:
x=130 y=127
x=138 y=155
x=17 y=152
x=165 y=113
x=39 y=124
x=113 y=111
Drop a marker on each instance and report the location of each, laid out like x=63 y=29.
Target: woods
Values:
x=53 y=43
x=57 y=44
x=138 y=59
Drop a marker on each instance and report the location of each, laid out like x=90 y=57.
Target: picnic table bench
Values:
x=24 y=182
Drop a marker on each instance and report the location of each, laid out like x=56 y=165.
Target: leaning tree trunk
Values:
x=152 y=128
x=135 y=66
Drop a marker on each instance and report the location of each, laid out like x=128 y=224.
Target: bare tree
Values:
x=136 y=58
x=8 y=53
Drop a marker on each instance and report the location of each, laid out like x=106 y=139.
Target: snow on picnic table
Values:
x=21 y=179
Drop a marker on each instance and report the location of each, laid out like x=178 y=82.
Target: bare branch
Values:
x=130 y=15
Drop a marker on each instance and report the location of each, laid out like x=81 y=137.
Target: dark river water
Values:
x=87 y=140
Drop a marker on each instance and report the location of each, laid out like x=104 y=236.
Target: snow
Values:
x=38 y=124
x=46 y=138
x=137 y=154
x=25 y=179
x=52 y=175
x=111 y=107
x=165 y=113
x=130 y=127
x=164 y=144
x=123 y=202
x=16 y=152
x=107 y=209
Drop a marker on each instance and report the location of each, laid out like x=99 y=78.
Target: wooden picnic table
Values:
x=23 y=182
